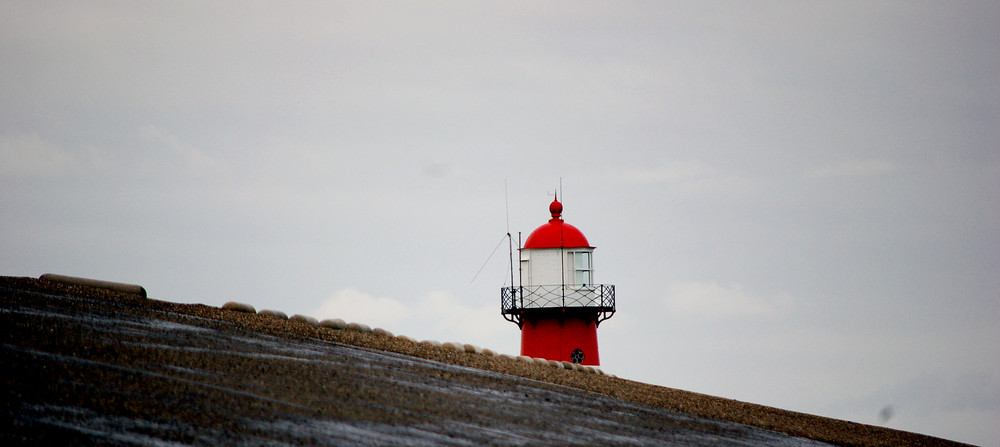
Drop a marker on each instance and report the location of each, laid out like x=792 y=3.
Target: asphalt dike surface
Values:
x=87 y=366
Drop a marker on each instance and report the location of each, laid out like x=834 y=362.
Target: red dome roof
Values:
x=556 y=233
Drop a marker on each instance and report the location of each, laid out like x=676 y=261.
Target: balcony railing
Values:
x=598 y=297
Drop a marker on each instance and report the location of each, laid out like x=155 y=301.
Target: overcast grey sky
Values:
x=797 y=201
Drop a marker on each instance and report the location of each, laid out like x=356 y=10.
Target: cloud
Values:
x=177 y=155
x=27 y=155
x=704 y=299
x=688 y=176
x=853 y=168
x=435 y=316
x=437 y=170
x=154 y=152
x=353 y=305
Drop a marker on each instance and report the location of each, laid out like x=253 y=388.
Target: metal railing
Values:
x=599 y=297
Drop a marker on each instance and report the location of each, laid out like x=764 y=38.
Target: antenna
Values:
x=488 y=259
x=520 y=273
x=506 y=206
x=510 y=240
x=562 y=251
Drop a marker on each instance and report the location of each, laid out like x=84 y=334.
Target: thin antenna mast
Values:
x=487 y=261
x=560 y=190
x=509 y=243
x=510 y=240
x=562 y=250
x=520 y=272
x=506 y=205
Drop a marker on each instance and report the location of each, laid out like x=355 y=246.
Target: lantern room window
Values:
x=583 y=268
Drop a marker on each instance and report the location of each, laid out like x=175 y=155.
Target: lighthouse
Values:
x=558 y=306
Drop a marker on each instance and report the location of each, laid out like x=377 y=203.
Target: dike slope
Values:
x=86 y=365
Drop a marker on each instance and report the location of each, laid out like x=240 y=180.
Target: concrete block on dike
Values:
x=116 y=286
x=359 y=327
x=305 y=319
x=239 y=307
x=273 y=313
x=334 y=323
x=472 y=349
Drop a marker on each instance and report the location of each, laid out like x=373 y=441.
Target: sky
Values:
x=796 y=201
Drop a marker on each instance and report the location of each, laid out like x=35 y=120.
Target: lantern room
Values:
x=558 y=305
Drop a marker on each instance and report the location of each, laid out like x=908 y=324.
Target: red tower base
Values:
x=565 y=338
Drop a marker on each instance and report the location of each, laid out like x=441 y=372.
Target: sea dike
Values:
x=86 y=365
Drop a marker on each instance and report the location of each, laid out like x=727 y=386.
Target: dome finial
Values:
x=555 y=207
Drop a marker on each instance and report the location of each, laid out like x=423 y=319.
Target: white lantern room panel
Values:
x=543 y=267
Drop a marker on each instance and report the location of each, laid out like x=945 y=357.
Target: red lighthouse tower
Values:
x=557 y=306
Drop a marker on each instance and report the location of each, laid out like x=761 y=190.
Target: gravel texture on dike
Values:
x=293 y=330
